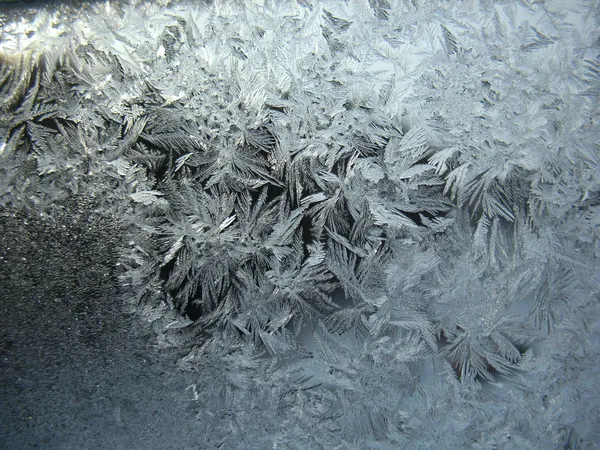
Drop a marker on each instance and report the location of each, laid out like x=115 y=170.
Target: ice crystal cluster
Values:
x=360 y=223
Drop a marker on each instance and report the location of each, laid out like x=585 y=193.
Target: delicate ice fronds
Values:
x=479 y=353
x=397 y=176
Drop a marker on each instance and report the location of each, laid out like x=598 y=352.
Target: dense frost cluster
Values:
x=361 y=223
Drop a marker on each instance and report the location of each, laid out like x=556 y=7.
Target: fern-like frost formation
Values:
x=363 y=224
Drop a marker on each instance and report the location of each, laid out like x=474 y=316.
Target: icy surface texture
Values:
x=355 y=224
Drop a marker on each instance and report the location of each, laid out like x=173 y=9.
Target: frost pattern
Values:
x=376 y=221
